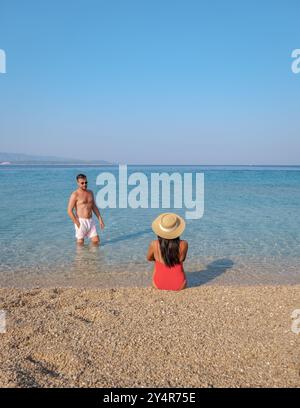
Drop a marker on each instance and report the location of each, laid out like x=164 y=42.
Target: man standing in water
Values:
x=84 y=203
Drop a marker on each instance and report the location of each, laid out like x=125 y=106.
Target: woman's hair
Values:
x=169 y=249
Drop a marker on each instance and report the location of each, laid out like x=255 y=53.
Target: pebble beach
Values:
x=206 y=336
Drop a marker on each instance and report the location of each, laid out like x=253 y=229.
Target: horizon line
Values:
x=109 y=164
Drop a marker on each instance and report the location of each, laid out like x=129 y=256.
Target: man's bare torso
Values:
x=84 y=203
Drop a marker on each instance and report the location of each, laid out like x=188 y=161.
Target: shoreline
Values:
x=206 y=336
x=80 y=275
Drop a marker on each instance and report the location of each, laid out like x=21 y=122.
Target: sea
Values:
x=248 y=234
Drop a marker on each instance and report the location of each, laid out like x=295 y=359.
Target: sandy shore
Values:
x=208 y=336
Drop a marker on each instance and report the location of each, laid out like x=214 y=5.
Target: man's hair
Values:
x=81 y=176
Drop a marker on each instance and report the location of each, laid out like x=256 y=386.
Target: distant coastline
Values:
x=20 y=159
x=203 y=166
x=8 y=159
x=44 y=163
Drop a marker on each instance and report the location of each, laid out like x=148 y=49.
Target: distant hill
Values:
x=19 y=158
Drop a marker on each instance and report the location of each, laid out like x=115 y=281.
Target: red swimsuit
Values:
x=169 y=278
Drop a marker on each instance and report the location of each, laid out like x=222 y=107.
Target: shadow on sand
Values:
x=212 y=271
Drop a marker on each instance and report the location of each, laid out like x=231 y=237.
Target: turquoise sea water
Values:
x=249 y=234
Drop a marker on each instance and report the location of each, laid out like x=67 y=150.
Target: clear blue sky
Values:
x=168 y=81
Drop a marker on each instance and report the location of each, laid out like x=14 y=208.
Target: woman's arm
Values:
x=184 y=246
x=150 y=254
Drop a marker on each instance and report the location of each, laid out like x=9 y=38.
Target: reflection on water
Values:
x=87 y=256
x=127 y=237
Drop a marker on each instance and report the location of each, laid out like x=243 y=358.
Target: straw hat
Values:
x=168 y=225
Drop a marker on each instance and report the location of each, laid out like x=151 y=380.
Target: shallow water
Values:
x=249 y=233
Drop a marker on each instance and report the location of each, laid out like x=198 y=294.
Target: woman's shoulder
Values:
x=153 y=244
x=183 y=243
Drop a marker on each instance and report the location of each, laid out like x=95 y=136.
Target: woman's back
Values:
x=169 y=277
x=168 y=252
x=183 y=247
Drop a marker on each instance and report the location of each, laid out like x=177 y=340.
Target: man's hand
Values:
x=77 y=222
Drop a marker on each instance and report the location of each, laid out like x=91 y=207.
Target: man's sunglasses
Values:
x=84 y=183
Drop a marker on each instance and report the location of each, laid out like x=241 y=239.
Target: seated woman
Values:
x=168 y=252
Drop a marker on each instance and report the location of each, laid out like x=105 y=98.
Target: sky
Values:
x=151 y=81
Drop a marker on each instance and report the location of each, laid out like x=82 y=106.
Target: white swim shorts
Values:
x=87 y=228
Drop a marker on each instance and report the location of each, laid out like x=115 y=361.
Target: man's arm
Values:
x=71 y=206
x=97 y=213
